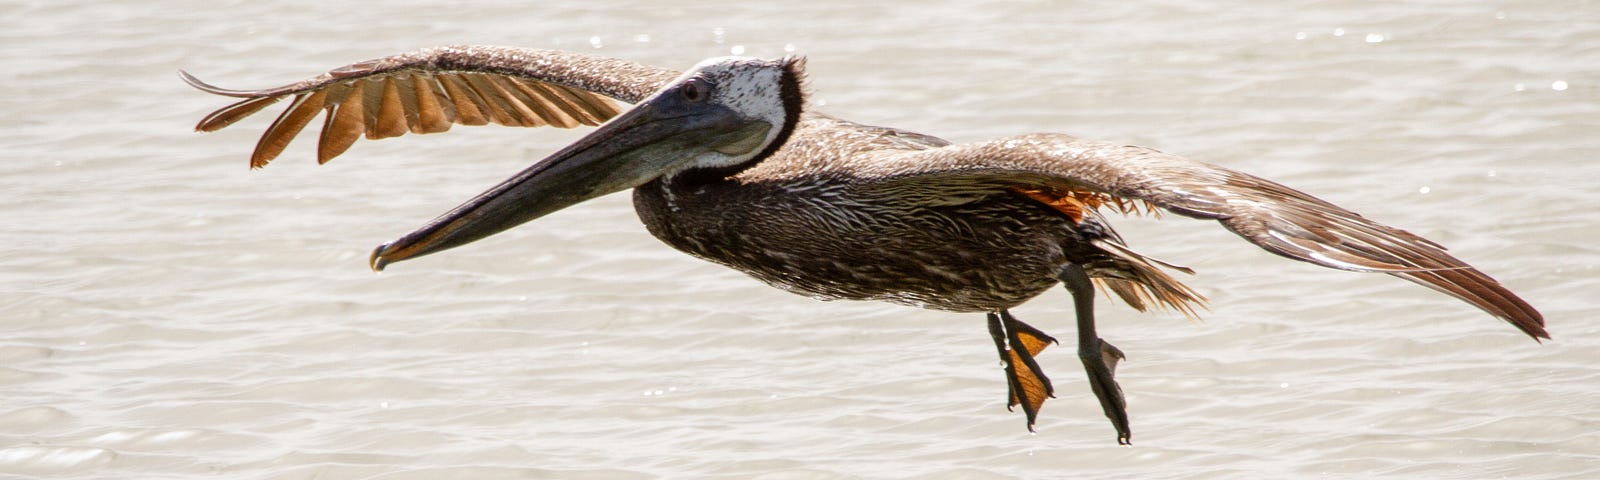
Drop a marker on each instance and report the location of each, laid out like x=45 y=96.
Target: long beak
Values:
x=661 y=135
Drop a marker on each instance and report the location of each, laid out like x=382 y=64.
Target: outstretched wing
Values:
x=428 y=90
x=1079 y=174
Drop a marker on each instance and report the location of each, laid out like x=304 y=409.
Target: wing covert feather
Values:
x=428 y=90
x=1277 y=218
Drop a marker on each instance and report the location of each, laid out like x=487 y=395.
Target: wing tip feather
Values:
x=201 y=85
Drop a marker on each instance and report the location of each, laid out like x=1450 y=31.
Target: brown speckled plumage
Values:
x=809 y=220
x=850 y=211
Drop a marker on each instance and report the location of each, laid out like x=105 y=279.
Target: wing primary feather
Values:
x=470 y=108
x=391 y=117
x=344 y=125
x=1473 y=286
x=526 y=109
x=405 y=86
x=598 y=109
x=215 y=90
x=562 y=100
x=232 y=113
x=527 y=104
x=499 y=109
x=301 y=110
x=554 y=108
x=371 y=93
x=431 y=114
x=446 y=105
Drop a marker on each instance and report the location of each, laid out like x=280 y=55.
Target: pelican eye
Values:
x=694 y=91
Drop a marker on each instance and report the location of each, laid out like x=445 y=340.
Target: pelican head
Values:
x=722 y=116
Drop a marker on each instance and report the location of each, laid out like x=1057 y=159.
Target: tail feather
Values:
x=1140 y=282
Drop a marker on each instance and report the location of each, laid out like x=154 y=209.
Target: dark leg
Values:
x=1032 y=341
x=1099 y=358
x=1017 y=343
x=998 y=333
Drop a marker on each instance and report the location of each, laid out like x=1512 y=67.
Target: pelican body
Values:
x=726 y=164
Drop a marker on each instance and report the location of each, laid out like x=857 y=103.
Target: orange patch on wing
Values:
x=1073 y=203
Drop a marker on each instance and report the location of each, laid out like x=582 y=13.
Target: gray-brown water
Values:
x=168 y=313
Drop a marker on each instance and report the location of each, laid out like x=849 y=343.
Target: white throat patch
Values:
x=754 y=89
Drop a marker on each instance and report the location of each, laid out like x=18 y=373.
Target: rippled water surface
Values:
x=167 y=313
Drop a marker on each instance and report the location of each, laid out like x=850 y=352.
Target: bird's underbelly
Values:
x=980 y=256
x=907 y=277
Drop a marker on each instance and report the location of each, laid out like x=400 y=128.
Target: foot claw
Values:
x=1101 y=367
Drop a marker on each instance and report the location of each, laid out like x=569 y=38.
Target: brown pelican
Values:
x=726 y=165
